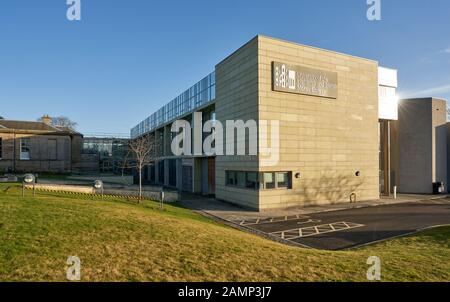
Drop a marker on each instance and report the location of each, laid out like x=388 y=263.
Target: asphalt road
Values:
x=353 y=227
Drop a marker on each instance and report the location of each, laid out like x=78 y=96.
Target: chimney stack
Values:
x=46 y=119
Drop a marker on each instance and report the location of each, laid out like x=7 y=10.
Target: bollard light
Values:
x=98 y=185
x=28 y=179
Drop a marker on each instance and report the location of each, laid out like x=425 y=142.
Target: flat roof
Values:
x=297 y=44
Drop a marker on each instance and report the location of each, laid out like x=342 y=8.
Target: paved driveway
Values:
x=348 y=228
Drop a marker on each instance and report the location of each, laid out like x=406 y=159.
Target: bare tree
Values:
x=62 y=121
x=142 y=151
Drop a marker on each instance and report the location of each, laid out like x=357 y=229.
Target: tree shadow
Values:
x=331 y=188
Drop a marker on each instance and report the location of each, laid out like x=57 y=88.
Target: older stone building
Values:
x=27 y=146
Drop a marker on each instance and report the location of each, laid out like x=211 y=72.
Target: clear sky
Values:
x=127 y=58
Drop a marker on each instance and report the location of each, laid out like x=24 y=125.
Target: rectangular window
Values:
x=283 y=179
x=240 y=176
x=25 y=149
x=251 y=180
x=1 y=148
x=268 y=180
x=276 y=180
x=231 y=178
x=241 y=179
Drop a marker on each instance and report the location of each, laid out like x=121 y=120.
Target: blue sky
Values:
x=125 y=59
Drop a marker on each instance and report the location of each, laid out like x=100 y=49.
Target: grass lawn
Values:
x=118 y=240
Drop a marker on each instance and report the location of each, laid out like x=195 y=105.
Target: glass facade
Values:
x=198 y=95
x=112 y=152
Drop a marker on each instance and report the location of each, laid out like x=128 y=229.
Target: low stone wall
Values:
x=8 y=178
x=169 y=196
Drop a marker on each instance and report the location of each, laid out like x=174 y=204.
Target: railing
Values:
x=198 y=95
x=105 y=135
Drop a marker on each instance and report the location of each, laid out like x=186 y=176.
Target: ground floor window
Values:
x=251 y=181
x=25 y=148
x=240 y=179
x=231 y=178
x=283 y=179
x=259 y=180
x=268 y=181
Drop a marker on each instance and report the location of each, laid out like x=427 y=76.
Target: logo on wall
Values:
x=304 y=80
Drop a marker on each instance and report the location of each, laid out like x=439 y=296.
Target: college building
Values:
x=336 y=115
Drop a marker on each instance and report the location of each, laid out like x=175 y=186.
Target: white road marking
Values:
x=309 y=221
x=316 y=230
x=271 y=220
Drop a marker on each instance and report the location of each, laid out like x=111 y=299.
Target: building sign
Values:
x=304 y=80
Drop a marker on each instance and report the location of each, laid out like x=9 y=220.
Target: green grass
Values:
x=118 y=240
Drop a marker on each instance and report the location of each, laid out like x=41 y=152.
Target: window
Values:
x=240 y=176
x=241 y=179
x=255 y=180
x=282 y=179
x=1 y=148
x=268 y=181
x=276 y=180
x=231 y=178
x=25 y=149
x=251 y=180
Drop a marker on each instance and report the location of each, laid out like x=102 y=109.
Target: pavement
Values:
x=334 y=227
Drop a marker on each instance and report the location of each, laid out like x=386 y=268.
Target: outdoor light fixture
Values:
x=358 y=174
x=297 y=175
x=28 y=179
x=98 y=185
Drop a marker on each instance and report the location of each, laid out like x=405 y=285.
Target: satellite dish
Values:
x=29 y=178
x=98 y=184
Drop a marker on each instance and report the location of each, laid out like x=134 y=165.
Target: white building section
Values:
x=387 y=94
